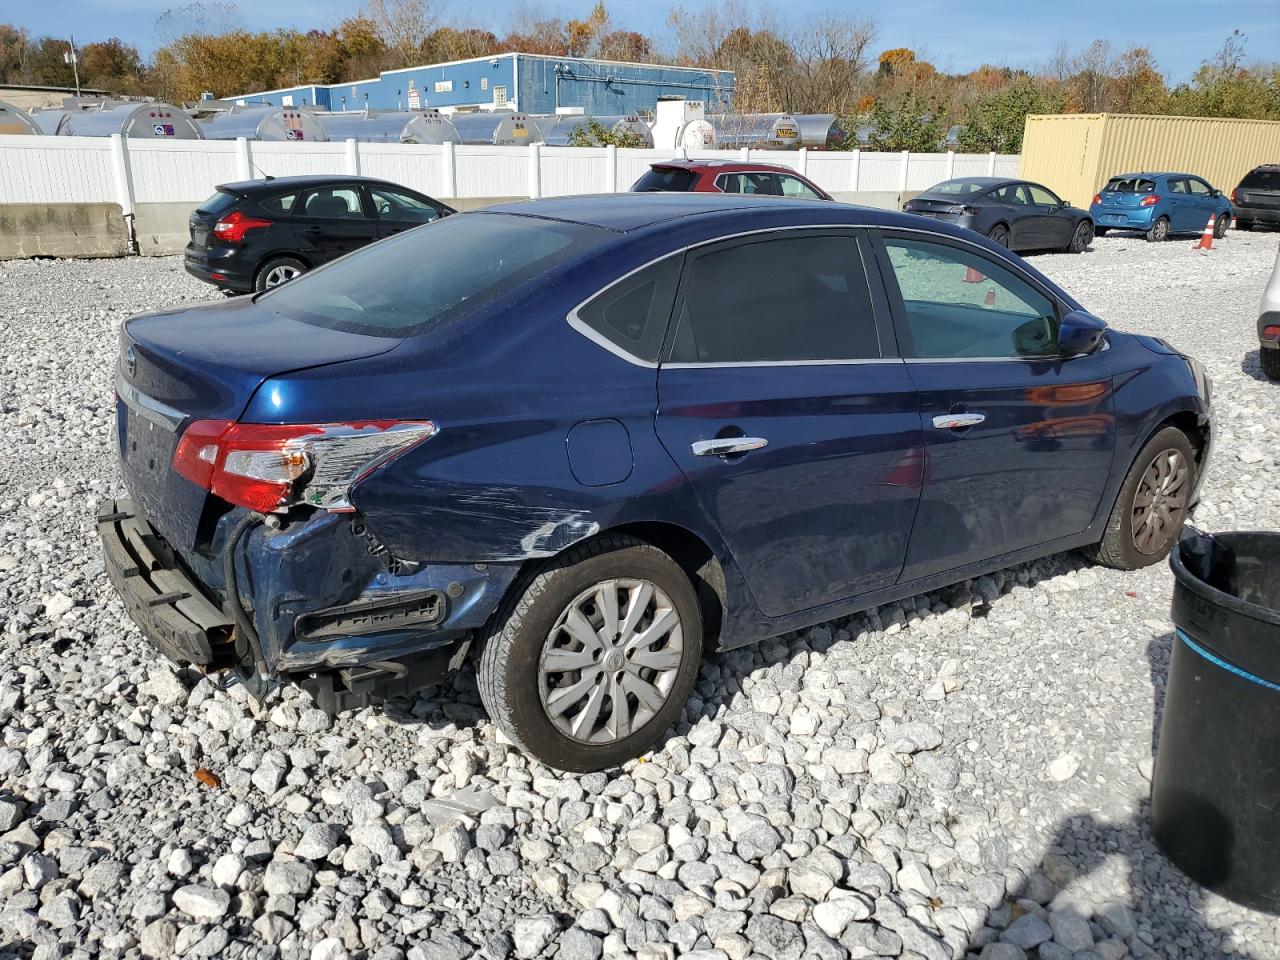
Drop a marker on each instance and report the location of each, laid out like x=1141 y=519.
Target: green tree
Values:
x=593 y=133
x=996 y=121
x=910 y=124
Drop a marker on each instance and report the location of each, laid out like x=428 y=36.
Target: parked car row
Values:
x=449 y=444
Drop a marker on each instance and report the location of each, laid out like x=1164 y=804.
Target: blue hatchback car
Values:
x=1159 y=205
x=584 y=440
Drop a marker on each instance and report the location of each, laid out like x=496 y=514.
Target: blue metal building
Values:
x=526 y=82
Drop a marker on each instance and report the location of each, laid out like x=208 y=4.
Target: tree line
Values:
x=895 y=99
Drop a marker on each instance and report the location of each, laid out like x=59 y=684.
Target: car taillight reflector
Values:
x=1149 y=201
x=235 y=225
x=269 y=467
x=1097 y=198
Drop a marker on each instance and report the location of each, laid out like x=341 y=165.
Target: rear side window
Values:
x=633 y=313
x=424 y=279
x=779 y=300
x=1261 y=179
x=673 y=179
x=1129 y=185
x=218 y=204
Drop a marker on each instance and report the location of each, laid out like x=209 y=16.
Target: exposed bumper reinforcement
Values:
x=162 y=600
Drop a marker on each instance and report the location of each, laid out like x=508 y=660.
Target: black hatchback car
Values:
x=1257 y=198
x=259 y=233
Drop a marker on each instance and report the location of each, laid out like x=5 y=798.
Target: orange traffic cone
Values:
x=972 y=276
x=1206 y=235
x=990 y=300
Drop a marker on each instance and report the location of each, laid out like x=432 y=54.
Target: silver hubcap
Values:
x=1159 y=502
x=1162 y=227
x=610 y=661
x=281 y=274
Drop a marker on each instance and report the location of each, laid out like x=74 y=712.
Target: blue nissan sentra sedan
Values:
x=584 y=440
x=1160 y=205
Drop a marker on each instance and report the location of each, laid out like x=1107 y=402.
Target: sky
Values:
x=955 y=35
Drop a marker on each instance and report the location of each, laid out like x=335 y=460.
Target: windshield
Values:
x=1129 y=185
x=956 y=188
x=427 y=277
x=665 y=179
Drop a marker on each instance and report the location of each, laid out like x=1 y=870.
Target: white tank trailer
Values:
x=139 y=121
x=391 y=126
x=16 y=121
x=556 y=130
x=500 y=129
x=290 y=124
x=763 y=131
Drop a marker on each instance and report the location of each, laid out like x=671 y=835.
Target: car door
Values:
x=399 y=210
x=1016 y=209
x=1018 y=441
x=1054 y=224
x=1180 y=205
x=1201 y=200
x=331 y=220
x=783 y=402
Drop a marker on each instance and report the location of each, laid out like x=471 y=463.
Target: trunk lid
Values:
x=204 y=363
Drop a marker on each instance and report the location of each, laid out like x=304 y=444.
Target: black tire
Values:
x=1081 y=238
x=1269 y=360
x=268 y=273
x=1242 y=224
x=1117 y=548
x=1220 y=226
x=999 y=234
x=1100 y=231
x=510 y=657
x=1159 y=231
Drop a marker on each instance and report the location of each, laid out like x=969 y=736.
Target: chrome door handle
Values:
x=958 y=421
x=723 y=446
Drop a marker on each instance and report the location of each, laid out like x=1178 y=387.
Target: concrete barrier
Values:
x=62 y=230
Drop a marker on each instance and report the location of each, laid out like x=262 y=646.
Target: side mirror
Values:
x=1215 y=193
x=1080 y=333
x=1064 y=203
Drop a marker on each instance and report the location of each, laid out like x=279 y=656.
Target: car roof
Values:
x=1151 y=175
x=627 y=212
x=309 y=180
x=731 y=166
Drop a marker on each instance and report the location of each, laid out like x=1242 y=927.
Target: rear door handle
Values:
x=958 y=421
x=723 y=446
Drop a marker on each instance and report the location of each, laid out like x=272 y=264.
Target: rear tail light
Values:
x=270 y=467
x=958 y=208
x=1235 y=196
x=1097 y=198
x=1149 y=201
x=1271 y=333
x=235 y=225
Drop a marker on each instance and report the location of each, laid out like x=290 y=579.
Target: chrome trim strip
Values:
x=577 y=323
x=152 y=409
x=780 y=363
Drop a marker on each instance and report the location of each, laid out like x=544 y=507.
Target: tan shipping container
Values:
x=1074 y=154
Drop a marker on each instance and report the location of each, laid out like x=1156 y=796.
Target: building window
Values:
x=484 y=83
x=500 y=95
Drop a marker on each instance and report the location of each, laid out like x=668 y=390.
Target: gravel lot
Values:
x=962 y=773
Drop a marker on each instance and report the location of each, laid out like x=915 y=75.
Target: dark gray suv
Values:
x=1257 y=199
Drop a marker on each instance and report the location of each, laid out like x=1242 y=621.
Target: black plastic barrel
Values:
x=1215 y=793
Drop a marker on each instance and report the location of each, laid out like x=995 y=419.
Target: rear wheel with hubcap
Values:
x=591 y=661
x=999 y=234
x=1152 y=505
x=1159 y=230
x=1082 y=237
x=277 y=271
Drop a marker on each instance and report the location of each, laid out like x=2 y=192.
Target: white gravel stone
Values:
x=201 y=902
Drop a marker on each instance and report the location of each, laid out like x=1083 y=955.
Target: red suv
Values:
x=728 y=176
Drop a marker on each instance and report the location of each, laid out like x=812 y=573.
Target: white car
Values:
x=1269 y=325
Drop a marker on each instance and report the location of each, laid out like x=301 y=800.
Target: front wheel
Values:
x=1082 y=237
x=1159 y=231
x=591 y=661
x=999 y=234
x=277 y=271
x=1152 y=504
x=1220 y=226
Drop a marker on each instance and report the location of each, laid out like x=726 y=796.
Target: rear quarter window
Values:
x=632 y=314
x=674 y=179
x=218 y=204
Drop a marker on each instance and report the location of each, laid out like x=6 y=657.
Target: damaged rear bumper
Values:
x=319 y=595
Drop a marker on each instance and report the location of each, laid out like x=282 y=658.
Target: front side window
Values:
x=795 y=187
x=422 y=280
x=332 y=203
x=1199 y=188
x=1042 y=196
x=961 y=305
x=394 y=205
x=633 y=313
x=777 y=300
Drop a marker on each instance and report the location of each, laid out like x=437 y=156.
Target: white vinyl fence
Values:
x=129 y=172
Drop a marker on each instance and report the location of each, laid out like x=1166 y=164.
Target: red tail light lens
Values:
x=269 y=467
x=1235 y=196
x=235 y=225
x=1097 y=198
x=1271 y=333
x=1149 y=201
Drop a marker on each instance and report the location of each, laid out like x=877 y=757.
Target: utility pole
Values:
x=74 y=60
